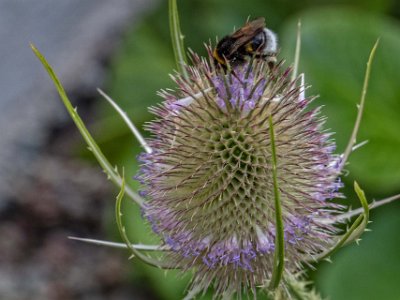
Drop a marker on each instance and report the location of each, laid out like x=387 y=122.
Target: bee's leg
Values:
x=250 y=66
x=269 y=59
x=232 y=64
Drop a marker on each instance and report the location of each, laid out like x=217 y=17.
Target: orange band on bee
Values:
x=217 y=57
x=249 y=48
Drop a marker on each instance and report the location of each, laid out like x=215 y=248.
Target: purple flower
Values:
x=209 y=180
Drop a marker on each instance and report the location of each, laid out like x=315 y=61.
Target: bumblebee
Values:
x=252 y=40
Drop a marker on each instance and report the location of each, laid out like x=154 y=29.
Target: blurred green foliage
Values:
x=336 y=45
x=336 y=40
x=369 y=271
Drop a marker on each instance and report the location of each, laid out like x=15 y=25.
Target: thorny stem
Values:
x=353 y=136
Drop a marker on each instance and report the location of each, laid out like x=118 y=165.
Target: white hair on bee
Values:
x=271 y=42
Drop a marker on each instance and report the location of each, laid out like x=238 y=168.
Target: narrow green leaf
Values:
x=279 y=254
x=118 y=217
x=177 y=38
x=120 y=245
x=356 y=229
x=102 y=160
x=127 y=121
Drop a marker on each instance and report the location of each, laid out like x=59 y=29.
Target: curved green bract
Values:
x=122 y=232
x=279 y=254
x=177 y=38
x=104 y=163
x=364 y=203
x=356 y=229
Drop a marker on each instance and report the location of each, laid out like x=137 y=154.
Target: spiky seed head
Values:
x=209 y=181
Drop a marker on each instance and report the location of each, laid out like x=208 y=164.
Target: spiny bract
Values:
x=209 y=181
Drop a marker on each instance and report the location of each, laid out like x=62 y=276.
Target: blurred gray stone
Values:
x=45 y=196
x=75 y=36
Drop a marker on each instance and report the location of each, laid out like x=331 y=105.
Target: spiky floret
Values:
x=209 y=181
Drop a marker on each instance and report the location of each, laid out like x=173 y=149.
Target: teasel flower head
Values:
x=209 y=181
x=238 y=177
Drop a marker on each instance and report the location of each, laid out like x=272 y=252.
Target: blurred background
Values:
x=51 y=187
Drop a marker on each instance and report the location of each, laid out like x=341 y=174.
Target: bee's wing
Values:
x=245 y=34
